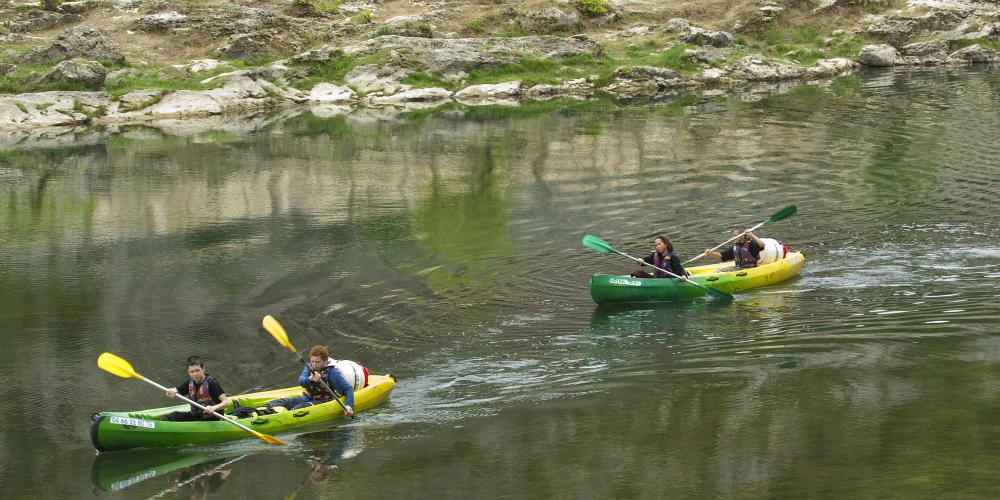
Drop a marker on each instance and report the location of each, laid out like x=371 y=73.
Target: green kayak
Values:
x=606 y=288
x=144 y=429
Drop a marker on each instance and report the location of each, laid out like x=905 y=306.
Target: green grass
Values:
x=327 y=6
x=984 y=42
x=332 y=70
x=514 y=30
x=382 y=31
x=423 y=79
x=363 y=17
x=475 y=26
x=592 y=7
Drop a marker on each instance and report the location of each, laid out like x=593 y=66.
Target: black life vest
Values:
x=316 y=391
x=743 y=256
x=200 y=395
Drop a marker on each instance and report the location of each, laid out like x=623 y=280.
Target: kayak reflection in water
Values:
x=662 y=256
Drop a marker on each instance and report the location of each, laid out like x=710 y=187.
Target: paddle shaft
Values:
x=210 y=412
x=699 y=285
x=213 y=470
x=336 y=397
x=720 y=245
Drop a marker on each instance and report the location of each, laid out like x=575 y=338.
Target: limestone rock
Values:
x=701 y=36
x=185 y=102
x=973 y=54
x=38 y=20
x=163 y=22
x=451 y=57
x=428 y=95
x=243 y=45
x=372 y=78
x=551 y=20
x=78 y=41
x=825 y=68
x=894 y=28
x=328 y=92
x=754 y=69
x=88 y=74
x=489 y=92
x=878 y=55
x=677 y=25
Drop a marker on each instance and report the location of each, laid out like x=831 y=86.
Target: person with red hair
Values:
x=321 y=370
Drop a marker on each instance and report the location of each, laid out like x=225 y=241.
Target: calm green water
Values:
x=444 y=248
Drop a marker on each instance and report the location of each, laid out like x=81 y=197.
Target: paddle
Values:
x=278 y=332
x=118 y=366
x=595 y=243
x=784 y=213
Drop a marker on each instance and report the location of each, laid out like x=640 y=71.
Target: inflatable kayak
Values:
x=611 y=289
x=144 y=429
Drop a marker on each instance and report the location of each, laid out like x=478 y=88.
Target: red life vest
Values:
x=200 y=395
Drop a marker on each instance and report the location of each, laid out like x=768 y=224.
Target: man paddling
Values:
x=202 y=388
x=321 y=370
x=745 y=250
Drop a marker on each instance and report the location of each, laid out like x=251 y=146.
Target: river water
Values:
x=444 y=247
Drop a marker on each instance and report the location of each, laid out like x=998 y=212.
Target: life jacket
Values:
x=200 y=395
x=661 y=263
x=316 y=391
x=743 y=256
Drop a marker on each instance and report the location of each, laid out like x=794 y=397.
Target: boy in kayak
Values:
x=321 y=370
x=663 y=257
x=202 y=388
x=745 y=251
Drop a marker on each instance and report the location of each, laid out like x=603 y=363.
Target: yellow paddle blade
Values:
x=116 y=366
x=269 y=439
x=274 y=328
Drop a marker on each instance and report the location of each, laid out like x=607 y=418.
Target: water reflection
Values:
x=444 y=247
x=203 y=470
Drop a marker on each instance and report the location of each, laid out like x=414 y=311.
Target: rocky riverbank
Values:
x=126 y=61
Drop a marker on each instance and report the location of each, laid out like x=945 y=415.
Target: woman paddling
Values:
x=662 y=256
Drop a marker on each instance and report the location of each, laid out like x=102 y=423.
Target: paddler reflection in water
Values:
x=343 y=444
x=202 y=388
x=662 y=256
x=323 y=369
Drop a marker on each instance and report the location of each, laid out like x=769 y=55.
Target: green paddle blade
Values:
x=719 y=294
x=594 y=243
x=784 y=213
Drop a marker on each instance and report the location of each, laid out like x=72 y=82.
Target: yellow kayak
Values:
x=608 y=289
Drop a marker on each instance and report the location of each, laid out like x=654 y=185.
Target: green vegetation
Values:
x=382 y=31
x=984 y=42
x=363 y=17
x=423 y=79
x=475 y=26
x=143 y=104
x=514 y=29
x=52 y=5
x=592 y=7
x=332 y=70
x=327 y=6
x=532 y=70
x=163 y=79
